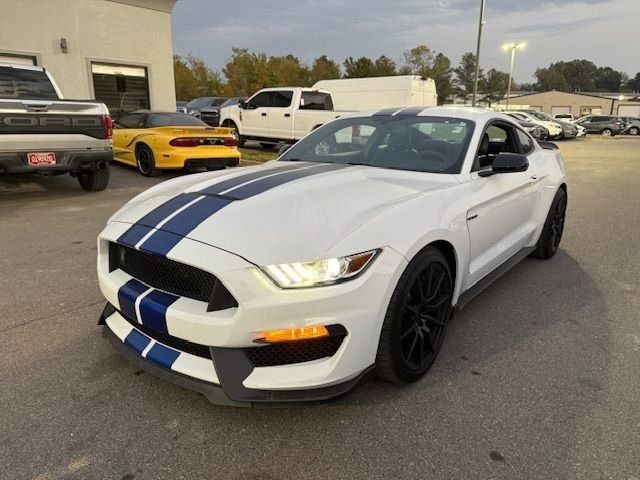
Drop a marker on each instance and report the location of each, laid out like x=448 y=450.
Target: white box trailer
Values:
x=380 y=92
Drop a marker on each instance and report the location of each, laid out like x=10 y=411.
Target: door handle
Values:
x=263 y=114
x=287 y=115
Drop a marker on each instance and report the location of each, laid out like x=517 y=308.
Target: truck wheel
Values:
x=96 y=180
x=232 y=125
x=146 y=162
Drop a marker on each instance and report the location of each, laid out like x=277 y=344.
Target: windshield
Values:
x=173 y=120
x=231 y=101
x=422 y=144
x=26 y=84
x=542 y=116
x=205 y=102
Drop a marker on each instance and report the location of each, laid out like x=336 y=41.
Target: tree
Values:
x=286 y=71
x=419 y=60
x=551 y=79
x=359 y=68
x=323 y=68
x=423 y=61
x=466 y=73
x=246 y=72
x=634 y=83
x=495 y=85
x=384 y=66
x=194 y=79
x=610 y=80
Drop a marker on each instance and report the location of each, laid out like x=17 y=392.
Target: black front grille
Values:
x=173 y=342
x=294 y=352
x=171 y=276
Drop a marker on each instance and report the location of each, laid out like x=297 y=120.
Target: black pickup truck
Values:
x=43 y=134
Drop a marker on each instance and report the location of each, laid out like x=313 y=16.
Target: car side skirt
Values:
x=466 y=296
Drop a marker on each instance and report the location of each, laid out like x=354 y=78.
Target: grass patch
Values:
x=258 y=154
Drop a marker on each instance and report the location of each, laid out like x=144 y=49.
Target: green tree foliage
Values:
x=287 y=71
x=579 y=75
x=466 y=73
x=423 y=61
x=610 y=80
x=551 y=79
x=384 y=66
x=246 y=72
x=633 y=84
x=194 y=79
x=323 y=68
x=495 y=85
x=359 y=68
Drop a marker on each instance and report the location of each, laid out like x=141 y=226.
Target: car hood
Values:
x=276 y=213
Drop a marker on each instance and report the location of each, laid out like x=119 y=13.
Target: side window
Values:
x=129 y=121
x=282 y=99
x=316 y=101
x=497 y=139
x=261 y=100
x=526 y=142
x=598 y=119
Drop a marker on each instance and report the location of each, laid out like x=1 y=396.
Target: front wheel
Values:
x=416 y=321
x=553 y=227
x=95 y=180
x=634 y=131
x=607 y=132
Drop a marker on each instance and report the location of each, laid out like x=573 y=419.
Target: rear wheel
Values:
x=416 y=321
x=234 y=127
x=96 y=180
x=634 y=131
x=146 y=161
x=553 y=227
x=607 y=132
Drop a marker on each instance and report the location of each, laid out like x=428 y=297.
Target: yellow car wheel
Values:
x=146 y=161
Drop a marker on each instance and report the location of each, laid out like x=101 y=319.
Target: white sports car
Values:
x=289 y=281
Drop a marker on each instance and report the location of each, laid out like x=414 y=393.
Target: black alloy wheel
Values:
x=557 y=222
x=416 y=322
x=551 y=235
x=146 y=162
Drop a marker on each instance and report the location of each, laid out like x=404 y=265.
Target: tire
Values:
x=146 y=162
x=553 y=227
x=607 y=132
x=634 y=131
x=232 y=125
x=96 y=180
x=409 y=342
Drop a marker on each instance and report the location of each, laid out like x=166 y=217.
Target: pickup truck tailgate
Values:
x=49 y=124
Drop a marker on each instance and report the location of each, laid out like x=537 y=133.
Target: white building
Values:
x=116 y=51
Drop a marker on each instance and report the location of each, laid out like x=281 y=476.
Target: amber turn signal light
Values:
x=294 y=334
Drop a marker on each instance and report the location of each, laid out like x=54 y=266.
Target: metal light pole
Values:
x=475 y=80
x=513 y=47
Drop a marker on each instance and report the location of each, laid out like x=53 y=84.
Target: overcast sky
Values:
x=604 y=31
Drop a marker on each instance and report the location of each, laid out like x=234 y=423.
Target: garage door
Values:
x=555 y=110
x=629 y=110
x=123 y=88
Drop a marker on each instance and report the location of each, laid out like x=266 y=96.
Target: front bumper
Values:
x=66 y=161
x=358 y=305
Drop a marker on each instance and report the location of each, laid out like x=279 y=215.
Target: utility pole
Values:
x=475 y=81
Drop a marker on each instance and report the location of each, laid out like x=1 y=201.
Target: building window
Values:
x=122 y=88
x=19 y=59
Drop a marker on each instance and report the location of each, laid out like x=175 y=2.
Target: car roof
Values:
x=21 y=66
x=474 y=114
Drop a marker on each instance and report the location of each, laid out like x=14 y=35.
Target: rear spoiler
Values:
x=548 y=145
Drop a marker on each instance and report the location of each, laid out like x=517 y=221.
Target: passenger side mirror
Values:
x=242 y=104
x=507 y=163
x=548 y=145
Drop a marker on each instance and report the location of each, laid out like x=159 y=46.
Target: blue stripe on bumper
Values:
x=153 y=310
x=162 y=355
x=127 y=296
x=137 y=341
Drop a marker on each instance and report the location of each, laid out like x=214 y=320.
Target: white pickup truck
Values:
x=43 y=134
x=274 y=115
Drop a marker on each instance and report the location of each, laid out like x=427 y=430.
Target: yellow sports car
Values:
x=153 y=141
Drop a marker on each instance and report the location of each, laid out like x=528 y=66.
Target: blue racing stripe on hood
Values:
x=131 y=237
x=182 y=224
x=127 y=296
x=220 y=187
x=256 y=188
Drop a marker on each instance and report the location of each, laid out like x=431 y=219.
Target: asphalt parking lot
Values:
x=539 y=376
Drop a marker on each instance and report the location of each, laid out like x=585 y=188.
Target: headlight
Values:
x=318 y=273
x=193 y=112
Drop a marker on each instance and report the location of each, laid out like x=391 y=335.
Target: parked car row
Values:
x=206 y=109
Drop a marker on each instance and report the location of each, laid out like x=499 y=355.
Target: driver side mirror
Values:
x=242 y=104
x=507 y=163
